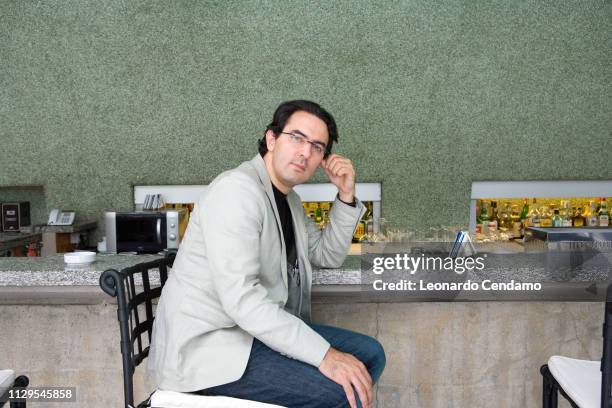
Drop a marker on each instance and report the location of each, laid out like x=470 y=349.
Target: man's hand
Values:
x=341 y=173
x=349 y=372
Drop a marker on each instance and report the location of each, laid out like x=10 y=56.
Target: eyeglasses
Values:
x=297 y=139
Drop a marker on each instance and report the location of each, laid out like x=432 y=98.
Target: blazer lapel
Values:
x=260 y=166
x=301 y=239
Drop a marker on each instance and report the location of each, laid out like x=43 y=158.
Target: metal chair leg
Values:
x=20 y=382
x=549 y=388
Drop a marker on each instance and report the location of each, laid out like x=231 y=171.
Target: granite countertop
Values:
x=562 y=274
x=48 y=280
x=52 y=271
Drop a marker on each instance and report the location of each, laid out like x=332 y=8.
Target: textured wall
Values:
x=98 y=96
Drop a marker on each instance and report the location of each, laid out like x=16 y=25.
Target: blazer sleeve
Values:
x=329 y=247
x=232 y=224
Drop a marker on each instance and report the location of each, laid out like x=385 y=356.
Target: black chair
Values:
x=133 y=288
x=579 y=381
x=20 y=382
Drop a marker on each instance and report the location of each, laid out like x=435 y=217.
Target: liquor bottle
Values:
x=318 y=215
x=515 y=218
x=566 y=214
x=505 y=222
x=368 y=219
x=478 y=220
x=533 y=217
x=586 y=213
x=369 y=214
x=325 y=209
x=603 y=214
x=557 y=222
x=359 y=234
x=578 y=220
x=494 y=215
x=545 y=216
x=313 y=208
x=484 y=216
x=598 y=205
x=308 y=209
x=524 y=210
x=592 y=218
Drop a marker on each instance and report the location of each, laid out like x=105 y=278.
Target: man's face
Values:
x=292 y=163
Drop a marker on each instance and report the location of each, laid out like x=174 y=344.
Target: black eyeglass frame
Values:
x=325 y=153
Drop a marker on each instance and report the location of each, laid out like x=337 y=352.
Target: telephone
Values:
x=57 y=217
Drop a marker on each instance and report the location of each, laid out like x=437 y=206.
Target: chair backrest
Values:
x=606 y=358
x=135 y=294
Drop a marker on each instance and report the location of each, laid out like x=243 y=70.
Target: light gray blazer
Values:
x=229 y=282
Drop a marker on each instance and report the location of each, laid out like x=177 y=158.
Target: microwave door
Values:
x=141 y=233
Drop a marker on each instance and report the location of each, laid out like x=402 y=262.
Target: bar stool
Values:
x=585 y=384
x=8 y=381
x=173 y=399
x=135 y=330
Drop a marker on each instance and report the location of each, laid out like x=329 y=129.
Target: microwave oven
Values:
x=144 y=231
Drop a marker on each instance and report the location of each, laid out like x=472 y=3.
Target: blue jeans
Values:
x=276 y=379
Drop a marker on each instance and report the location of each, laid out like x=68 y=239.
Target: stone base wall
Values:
x=438 y=354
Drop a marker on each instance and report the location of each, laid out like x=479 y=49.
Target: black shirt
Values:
x=294 y=278
x=284 y=212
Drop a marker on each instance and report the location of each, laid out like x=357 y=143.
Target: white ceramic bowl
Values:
x=81 y=258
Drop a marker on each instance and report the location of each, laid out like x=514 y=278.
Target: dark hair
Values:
x=284 y=112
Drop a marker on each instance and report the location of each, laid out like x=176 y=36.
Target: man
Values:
x=234 y=315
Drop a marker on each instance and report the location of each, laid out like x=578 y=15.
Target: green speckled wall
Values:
x=98 y=96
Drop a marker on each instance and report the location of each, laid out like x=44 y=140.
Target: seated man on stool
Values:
x=234 y=315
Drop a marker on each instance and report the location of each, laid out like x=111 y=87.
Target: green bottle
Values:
x=484 y=212
x=557 y=221
x=318 y=215
x=524 y=211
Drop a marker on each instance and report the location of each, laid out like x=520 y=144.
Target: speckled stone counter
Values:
x=563 y=276
x=27 y=280
x=52 y=271
x=48 y=280
x=518 y=273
